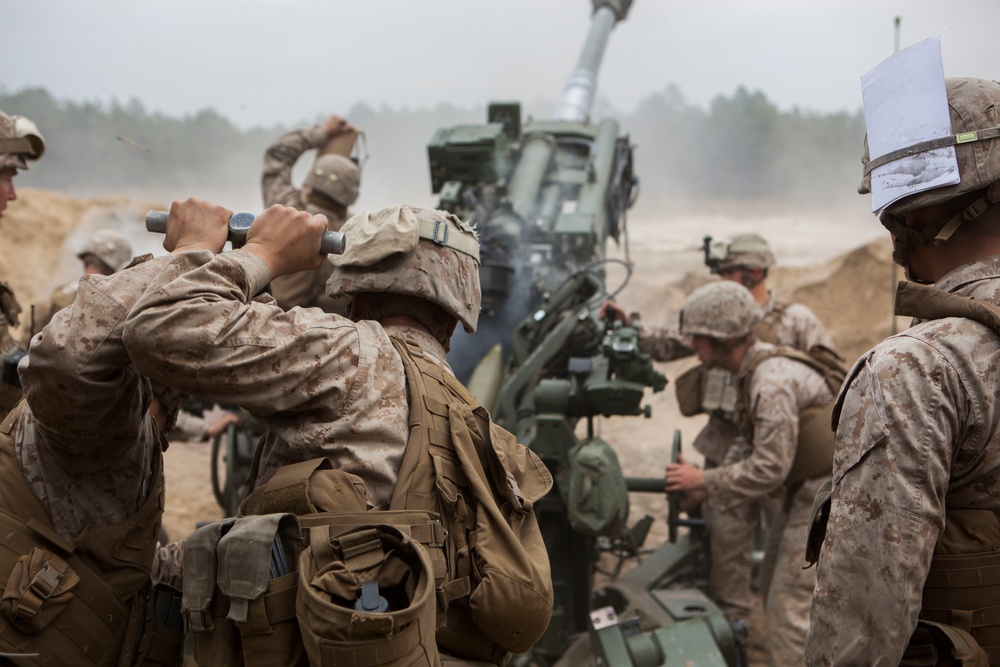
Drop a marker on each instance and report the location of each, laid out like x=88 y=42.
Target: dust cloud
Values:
x=837 y=263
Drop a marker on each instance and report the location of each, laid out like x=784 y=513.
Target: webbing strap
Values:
x=375 y=652
x=931 y=144
x=967 y=619
x=361 y=549
x=19 y=145
x=439 y=233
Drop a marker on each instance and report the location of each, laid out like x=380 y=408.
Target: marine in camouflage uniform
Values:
x=914 y=516
x=744 y=258
x=82 y=467
x=19 y=141
x=775 y=390
x=105 y=252
x=330 y=187
x=323 y=386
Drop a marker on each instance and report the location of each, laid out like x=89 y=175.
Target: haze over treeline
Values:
x=740 y=148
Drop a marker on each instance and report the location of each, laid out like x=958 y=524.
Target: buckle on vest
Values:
x=46 y=581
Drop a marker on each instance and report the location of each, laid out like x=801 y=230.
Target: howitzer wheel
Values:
x=228 y=495
x=673 y=499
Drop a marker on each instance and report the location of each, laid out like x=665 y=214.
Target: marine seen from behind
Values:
x=397 y=519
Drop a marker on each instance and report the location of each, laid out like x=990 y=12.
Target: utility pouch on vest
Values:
x=690 y=389
x=366 y=597
x=38 y=590
x=594 y=489
x=939 y=645
x=244 y=613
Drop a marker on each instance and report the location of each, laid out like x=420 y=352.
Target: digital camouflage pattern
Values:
x=335 y=176
x=388 y=253
x=85 y=443
x=754 y=471
x=320 y=384
x=794 y=325
x=748 y=250
x=721 y=309
x=109 y=247
x=305 y=288
x=7 y=131
x=919 y=430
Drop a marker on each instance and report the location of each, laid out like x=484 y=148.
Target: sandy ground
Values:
x=838 y=265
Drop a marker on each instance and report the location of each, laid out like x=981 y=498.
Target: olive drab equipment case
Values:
x=814 y=451
x=959 y=621
x=594 y=489
x=87 y=601
x=454 y=571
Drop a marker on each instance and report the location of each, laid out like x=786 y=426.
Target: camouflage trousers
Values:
x=732 y=536
x=788 y=588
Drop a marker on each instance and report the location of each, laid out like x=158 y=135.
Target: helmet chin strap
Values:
x=906 y=239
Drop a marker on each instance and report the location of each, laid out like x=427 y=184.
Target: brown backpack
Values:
x=458 y=556
x=814 y=450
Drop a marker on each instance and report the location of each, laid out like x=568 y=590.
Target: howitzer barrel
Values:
x=578 y=94
x=239 y=223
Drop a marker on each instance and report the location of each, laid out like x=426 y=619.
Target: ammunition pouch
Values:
x=366 y=597
x=690 y=389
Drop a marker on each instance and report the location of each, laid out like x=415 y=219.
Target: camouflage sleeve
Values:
x=779 y=390
x=78 y=379
x=663 y=344
x=801 y=329
x=279 y=159
x=899 y=419
x=199 y=330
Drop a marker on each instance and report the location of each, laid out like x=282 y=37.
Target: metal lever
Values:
x=332 y=243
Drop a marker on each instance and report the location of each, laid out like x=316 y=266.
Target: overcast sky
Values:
x=262 y=62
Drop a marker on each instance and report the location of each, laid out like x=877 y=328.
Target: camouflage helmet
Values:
x=20 y=141
x=721 y=310
x=110 y=247
x=411 y=251
x=335 y=176
x=974 y=106
x=749 y=250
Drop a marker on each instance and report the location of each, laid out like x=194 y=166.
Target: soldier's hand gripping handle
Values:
x=239 y=223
